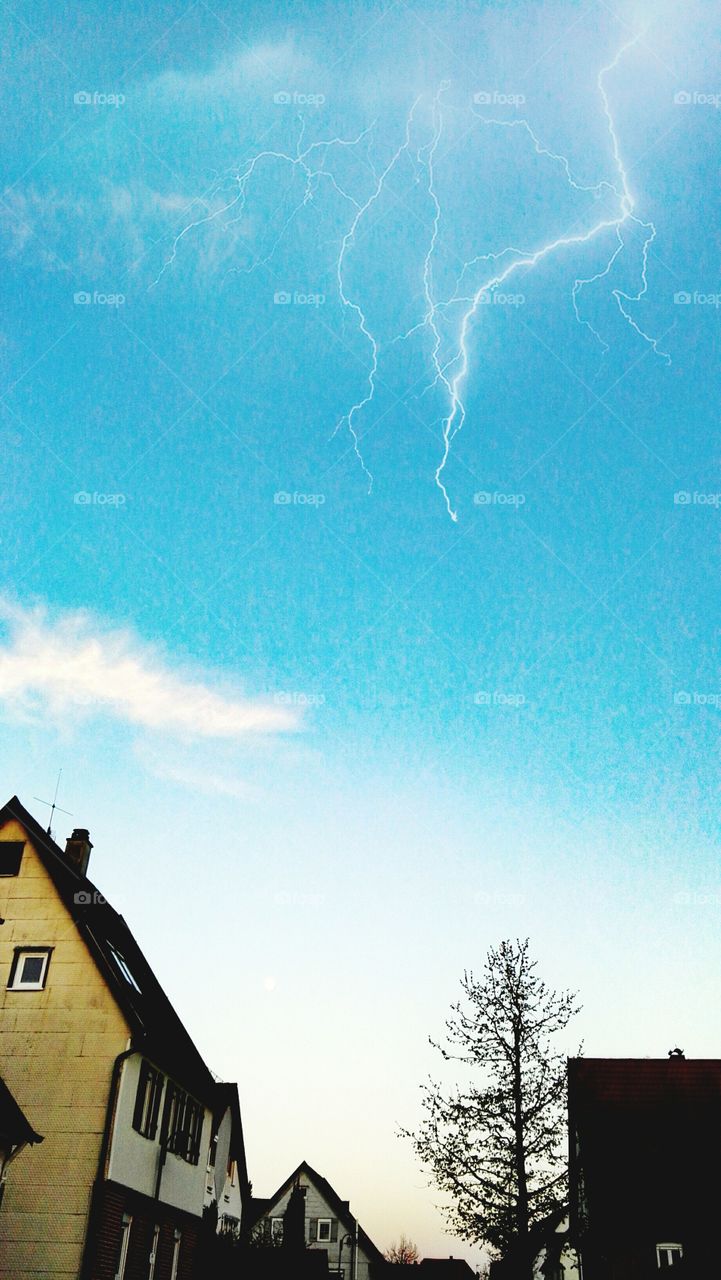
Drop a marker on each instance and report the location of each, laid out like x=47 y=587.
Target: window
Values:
x=11 y=852
x=176 y=1255
x=154 y=1251
x=124 y=1242
x=668 y=1255
x=182 y=1124
x=276 y=1229
x=124 y=968
x=29 y=968
x=324 y=1227
x=147 y=1100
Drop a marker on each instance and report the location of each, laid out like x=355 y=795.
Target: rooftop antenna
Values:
x=54 y=804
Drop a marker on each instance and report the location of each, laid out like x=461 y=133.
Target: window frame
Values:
x=674 y=1254
x=125 y=1229
x=181 y=1128
x=20 y=955
x=177 y=1239
x=324 y=1222
x=276 y=1229
x=148 y=1097
x=153 y=1258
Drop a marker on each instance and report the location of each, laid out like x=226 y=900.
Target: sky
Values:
x=359 y=521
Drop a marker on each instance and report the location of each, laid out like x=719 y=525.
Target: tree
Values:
x=405 y=1252
x=494 y=1145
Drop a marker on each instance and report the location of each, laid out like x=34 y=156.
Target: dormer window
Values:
x=123 y=967
x=668 y=1255
x=29 y=968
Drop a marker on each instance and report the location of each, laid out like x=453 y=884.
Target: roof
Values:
x=643 y=1082
x=14 y=1124
x=447 y=1268
x=341 y=1208
x=155 y=1026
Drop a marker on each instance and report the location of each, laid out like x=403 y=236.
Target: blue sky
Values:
x=332 y=744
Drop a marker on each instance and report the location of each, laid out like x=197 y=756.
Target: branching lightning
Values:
x=448 y=322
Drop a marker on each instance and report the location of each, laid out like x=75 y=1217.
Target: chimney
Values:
x=77 y=850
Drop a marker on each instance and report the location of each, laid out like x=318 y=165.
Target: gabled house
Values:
x=93 y=1050
x=328 y=1224
x=645 y=1176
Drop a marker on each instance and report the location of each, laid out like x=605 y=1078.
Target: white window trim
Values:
x=675 y=1251
x=26 y=953
x=324 y=1222
x=154 y=1251
x=124 y=1244
x=176 y=1254
x=276 y=1228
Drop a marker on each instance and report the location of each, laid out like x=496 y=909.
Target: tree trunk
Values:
x=525 y=1269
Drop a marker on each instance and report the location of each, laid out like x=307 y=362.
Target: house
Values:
x=92 y=1049
x=227 y=1186
x=327 y=1223
x=645 y=1178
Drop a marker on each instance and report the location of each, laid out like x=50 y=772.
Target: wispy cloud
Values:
x=237 y=73
x=73 y=665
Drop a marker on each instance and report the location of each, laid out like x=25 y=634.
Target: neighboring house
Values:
x=645 y=1177
x=329 y=1224
x=93 y=1050
x=227 y=1177
x=15 y=1132
x=445 y=1269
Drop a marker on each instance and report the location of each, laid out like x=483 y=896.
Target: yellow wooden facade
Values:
x=57 y=1049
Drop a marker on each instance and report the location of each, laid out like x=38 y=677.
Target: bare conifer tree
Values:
x=494 y=1145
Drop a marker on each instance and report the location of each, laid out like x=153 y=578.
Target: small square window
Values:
x=324 y=1226
x=29 y=968
x=11 y=853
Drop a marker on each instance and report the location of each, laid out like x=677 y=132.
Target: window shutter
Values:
x=140 y=1096
x=313 y=1229
x=157 y=1086
x=334 y=1230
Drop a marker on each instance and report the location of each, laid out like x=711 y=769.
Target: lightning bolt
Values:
x=449 y=322
x=459 y=364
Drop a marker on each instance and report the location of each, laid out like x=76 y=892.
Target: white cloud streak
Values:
x=73 y=666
